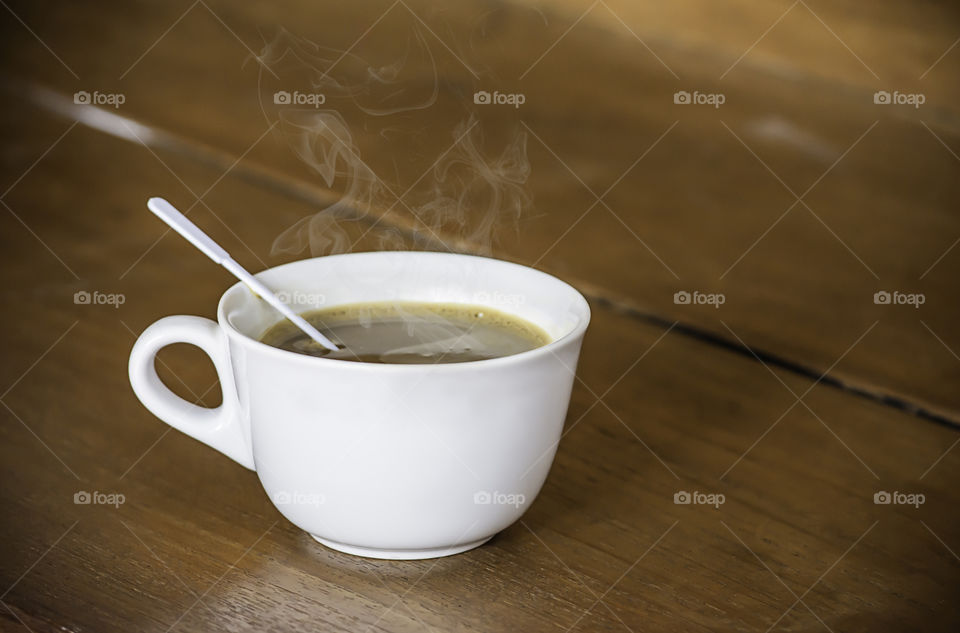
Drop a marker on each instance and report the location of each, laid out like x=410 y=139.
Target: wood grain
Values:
x=711 y=206
x=798 y=543
x=197 y=546
x=836 y=42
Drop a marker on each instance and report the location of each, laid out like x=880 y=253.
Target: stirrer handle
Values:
x=192 y=233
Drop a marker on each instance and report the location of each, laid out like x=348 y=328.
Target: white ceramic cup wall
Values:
x=385 y=461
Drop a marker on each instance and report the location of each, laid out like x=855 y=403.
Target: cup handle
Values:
x=219 y=427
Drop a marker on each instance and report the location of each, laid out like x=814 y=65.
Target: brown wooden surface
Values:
x=709 y=201
x=657 y=409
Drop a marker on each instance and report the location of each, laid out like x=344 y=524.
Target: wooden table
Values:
x=798 y=399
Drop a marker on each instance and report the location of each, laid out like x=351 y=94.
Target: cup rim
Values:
x=286 y=355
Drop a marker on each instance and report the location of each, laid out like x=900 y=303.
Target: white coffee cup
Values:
x=384 y=461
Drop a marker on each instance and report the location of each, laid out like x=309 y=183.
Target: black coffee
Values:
x=408 y=333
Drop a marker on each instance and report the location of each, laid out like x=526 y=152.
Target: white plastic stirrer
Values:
x=179 y=223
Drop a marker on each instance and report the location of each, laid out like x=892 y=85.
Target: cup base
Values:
x=400 y=554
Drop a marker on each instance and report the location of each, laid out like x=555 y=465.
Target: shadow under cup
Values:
x=403 y=461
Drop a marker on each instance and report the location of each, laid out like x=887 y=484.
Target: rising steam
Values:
x=464 y=196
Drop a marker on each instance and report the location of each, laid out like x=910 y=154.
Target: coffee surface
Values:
x=408 y=333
